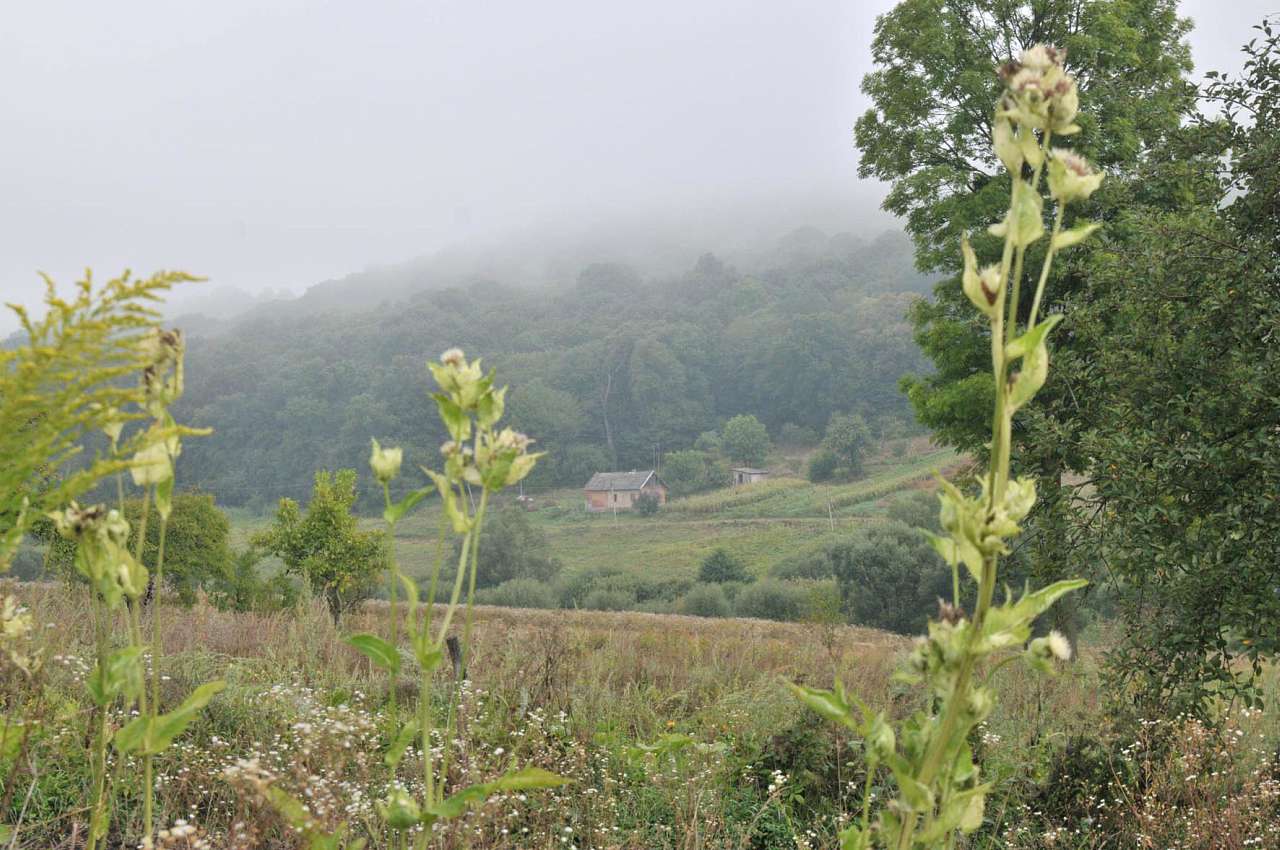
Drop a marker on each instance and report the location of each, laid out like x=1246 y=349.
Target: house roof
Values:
x=749 y=470
x=633 y=480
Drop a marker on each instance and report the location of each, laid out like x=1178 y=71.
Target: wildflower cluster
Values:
x=940 y=791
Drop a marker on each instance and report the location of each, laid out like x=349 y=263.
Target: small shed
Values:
x=747 y=475
x=619 y=491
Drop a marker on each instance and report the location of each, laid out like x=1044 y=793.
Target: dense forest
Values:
x=606 y=370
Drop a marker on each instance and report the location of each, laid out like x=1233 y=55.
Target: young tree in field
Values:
x=720 y=567
x=848 y=437
x=324 y=546
x=745 y=440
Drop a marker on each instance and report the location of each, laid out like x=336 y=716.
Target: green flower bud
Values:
x=980 y=703
x=385 y=463
x=1070 y=177
x=982 y=288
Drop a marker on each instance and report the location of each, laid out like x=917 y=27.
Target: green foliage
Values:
x=745 y=440
x=705 y=600
x=513 y=549
x=242 y=587
x=323 y=546
x=519 y=593
x=720 y=567
x=771 y=599
x=848 y=438
x=601 y=376
x=797 y=436
x=1180 y=425
x=60 y=386
x=691 y=471
x=823 y=465
x=917 y=509
x=647 y=504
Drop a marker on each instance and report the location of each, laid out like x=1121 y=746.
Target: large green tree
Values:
x=1182 y=421
x=928 y=135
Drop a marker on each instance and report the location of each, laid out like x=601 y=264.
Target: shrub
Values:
x=720 y=566
x=512 y=548
x=519 y=593
x=770 y=599
x=647 y=504
x=823 y=465
x=241 y=587
x=609 y=599
x=917 y=509
x=705 y=600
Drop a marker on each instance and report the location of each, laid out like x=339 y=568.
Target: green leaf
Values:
x=174 y=723
x=394 y=512
x=288 y=807
x=130 y=737
x=429 y=656
x=528 y=779
x=1036 y=603
x=915 y=794
x=377 y=650
x=123 y=676
x=853 y=838
x=402 y=741
x=454 y=417
x=828 y=704
x=1075 y=235
x=1033 y=337
x=1025 y=222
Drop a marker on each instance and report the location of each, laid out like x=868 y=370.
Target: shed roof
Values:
x=633 y=480
x=749 y=470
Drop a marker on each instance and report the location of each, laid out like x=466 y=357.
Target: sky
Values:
x=272 y=144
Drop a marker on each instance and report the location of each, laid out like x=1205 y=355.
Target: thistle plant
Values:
x=118 y=579
x=939 y=792
x=477 y=457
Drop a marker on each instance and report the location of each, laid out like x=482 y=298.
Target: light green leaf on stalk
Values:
x=490 y=407
x=164 y=498
x=400 y=743
x=394 y=512
x=379 y=651
x=429 y=655
x=827 y=704
x=455 y=419
x=1028 y=380
x=914 y=793
x=854 y=838
x=1033 y=604
x=288 y=807
x=978 y=286
x=1075 y=235
x=1028 y=341
x=153 y=735
x=1029 y=146
x=1025 y=222
x=122 y=675
x=1005 y=145
x=528 y=779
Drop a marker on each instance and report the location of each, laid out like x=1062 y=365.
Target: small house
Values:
x=747 y=475
x=619 y=491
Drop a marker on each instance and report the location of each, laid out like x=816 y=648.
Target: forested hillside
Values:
x=604 y=369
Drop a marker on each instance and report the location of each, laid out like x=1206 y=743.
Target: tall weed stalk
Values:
x=939 y=790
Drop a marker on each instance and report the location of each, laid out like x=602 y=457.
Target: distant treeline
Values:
x=605 y=371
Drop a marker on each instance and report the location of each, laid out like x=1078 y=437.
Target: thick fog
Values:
x=274 y=145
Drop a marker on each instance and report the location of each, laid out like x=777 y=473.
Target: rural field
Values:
x=821 y=426
x=585 y=694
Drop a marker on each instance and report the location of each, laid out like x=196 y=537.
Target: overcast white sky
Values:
x=276 y=143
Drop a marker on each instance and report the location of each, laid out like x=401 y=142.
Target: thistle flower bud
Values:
x=980 y=703
x=162 y=378
x=453 y=357
x=385 y=463
x=1071 y=178
x=1059 y=645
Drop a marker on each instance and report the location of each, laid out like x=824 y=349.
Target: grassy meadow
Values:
x=582 y=693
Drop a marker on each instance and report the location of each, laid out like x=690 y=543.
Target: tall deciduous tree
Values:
x=745 y=440
x=928 y=135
